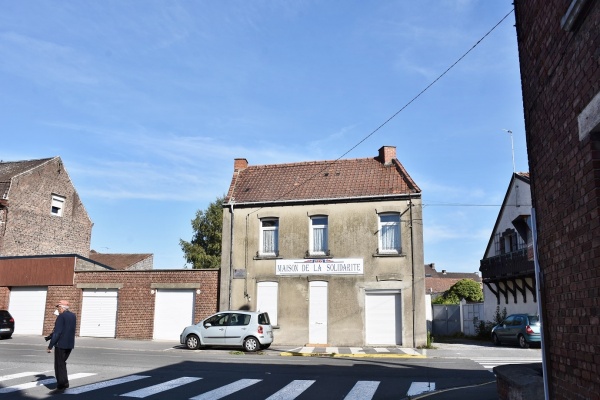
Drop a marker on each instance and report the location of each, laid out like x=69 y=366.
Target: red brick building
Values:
x=45 y=256
x=559 y=51
x=40 y=210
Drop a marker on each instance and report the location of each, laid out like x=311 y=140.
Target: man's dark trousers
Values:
x=60 y=367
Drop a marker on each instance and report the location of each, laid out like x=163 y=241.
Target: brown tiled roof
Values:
x=320 y=180
x=117 y=261
x=10 y=169
x=439 y=282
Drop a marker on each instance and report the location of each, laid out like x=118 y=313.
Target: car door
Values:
x=237 y=328
x=516 y=328
x=213 y=329
x=503 y=331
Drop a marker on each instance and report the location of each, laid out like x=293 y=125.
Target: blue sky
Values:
x=148 y=103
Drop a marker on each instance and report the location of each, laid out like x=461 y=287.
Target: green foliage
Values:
x=466 y=289
x=204 y=251
x=483 y=329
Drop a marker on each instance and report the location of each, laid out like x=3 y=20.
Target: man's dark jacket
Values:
x=63 y=336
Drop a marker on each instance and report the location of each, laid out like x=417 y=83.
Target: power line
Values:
x=400 y=110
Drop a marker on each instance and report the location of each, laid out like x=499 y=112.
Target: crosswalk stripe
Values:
x=161 y=387
x=226 y=390
x=42 y=382
x=420 y=387
x=363 y=390
x=292 y=390
x=19 y=375
x=103 y=384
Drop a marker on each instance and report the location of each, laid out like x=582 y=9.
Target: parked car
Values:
x=7 y=324
x=521 y=329
x=246 y=329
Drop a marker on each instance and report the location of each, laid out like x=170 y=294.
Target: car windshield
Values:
x=534 y=320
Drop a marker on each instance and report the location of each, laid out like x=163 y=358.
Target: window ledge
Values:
x=383 y=255
x=266 y=257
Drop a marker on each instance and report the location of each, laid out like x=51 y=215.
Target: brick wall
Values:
x=31 y=229
x=135 y=310
x=560 y=73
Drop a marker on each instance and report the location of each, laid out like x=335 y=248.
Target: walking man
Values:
x=63 y=341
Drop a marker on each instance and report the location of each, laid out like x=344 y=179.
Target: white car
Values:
x=247 y=329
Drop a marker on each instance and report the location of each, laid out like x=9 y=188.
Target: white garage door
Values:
x=383 y=318
x=27 y=306
x=99 y=313
x=173 y=311
x=266 y=299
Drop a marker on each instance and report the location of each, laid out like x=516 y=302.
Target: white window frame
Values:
x=263 y=231
x=316 y=226
x=384 y=226
x=58 y=205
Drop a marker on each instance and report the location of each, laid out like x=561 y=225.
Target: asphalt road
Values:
x=108 y=368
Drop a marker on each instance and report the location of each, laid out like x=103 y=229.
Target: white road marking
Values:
x=19 y=375
x=420 y=387
x=42 y=382
x=381 y=350
x=363 y=390
x=103 y=384
x=292 y=390
x=226 y=390
x=161 y=387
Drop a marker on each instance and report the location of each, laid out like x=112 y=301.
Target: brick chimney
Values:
x=240 y=164
x=387 y=154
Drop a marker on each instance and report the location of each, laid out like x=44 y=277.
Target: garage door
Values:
x=383 y=318
x=99 y=313
x=173 y=311
x=27 y=306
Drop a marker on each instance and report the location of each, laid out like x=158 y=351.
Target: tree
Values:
x=466 y=289
x=204 y=251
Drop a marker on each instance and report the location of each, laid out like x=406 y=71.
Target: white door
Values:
x=173 y=311
x=266 y=299
x=99 y=313
x=317 y=313
x=383 y=318
x=27 y=306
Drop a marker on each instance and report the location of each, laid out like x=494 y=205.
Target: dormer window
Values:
x=58 y=205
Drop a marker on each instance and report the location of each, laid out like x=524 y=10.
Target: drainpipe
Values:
x=412 y=261
x=231 y=201
x=538 y=284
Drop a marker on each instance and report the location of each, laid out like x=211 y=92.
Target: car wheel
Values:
x=265 y=346
x=522 y=342
x=496 y=340
x=251 y=344
x=192 y=342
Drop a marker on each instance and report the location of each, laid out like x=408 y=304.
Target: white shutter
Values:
x=27 y=306
x=173 y=311
x=383 y=318
x=99 y=313
x=266 y=299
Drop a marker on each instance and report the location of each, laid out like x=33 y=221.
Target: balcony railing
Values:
x=512 y=264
